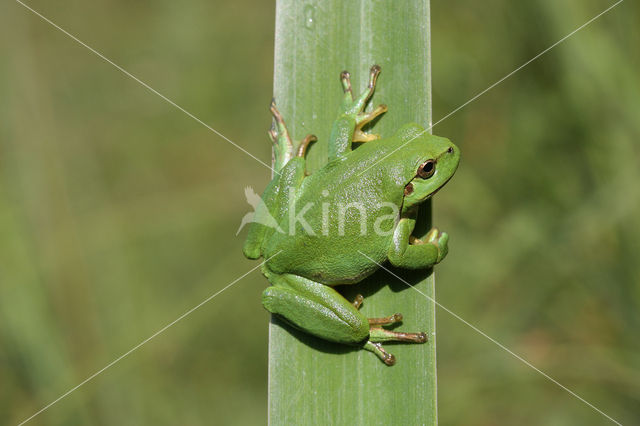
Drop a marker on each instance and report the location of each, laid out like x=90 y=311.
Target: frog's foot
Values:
x=355 y=107
x=377 y=335
x=279 y=135
x=438 y=239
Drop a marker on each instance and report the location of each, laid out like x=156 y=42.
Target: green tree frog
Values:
x=339 y=224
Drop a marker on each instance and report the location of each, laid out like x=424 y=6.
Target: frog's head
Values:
x=435 y=160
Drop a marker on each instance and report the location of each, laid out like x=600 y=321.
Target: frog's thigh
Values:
x=315 y=308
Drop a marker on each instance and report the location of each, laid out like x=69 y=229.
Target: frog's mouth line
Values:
x=439 y=188
x=427 y=197
x=434 y=192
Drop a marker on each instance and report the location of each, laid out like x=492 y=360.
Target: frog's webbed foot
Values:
x=355 y=107
x=282 y=145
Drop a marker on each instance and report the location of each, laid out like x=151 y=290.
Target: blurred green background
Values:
x=118 y=212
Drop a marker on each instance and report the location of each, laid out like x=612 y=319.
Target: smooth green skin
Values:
x=304 y=266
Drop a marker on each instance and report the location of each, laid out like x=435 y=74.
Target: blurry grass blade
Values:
x=136 y=347
x=151 y=89
x=503 y=347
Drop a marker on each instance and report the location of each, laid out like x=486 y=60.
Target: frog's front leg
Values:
x=283 y=149
x=322 y=311
x=274 y=203
x=411 y=253
x=348 y=126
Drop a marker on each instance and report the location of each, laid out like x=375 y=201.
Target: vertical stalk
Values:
x=317 y=382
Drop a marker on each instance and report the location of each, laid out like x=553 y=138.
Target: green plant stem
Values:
x=312 y=381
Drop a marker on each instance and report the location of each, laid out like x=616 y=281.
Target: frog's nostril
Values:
x=450 y=150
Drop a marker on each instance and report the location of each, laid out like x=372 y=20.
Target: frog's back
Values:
x=350 y=210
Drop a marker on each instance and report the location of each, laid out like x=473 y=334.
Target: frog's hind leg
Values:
x=315 y=308
x=322 y=311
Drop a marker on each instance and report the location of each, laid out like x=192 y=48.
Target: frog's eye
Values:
x=427 y=169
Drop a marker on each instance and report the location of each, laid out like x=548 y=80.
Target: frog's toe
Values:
x=355 y=106
x=374 y=72
x=360 y=136
x=357 y=302
x=345 y=79
x=379 y=351
x=437 y=238
x=441 y=239
x=392 y=319
x=279 y=135
x=304 y=143
x=443 y=245
x=379 y=334
x=432 y=235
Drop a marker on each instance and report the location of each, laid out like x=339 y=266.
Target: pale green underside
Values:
x=312 y=381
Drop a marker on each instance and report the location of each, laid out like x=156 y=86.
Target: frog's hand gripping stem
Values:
x=282 y=145
x=348 y=126
x=408 y=252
